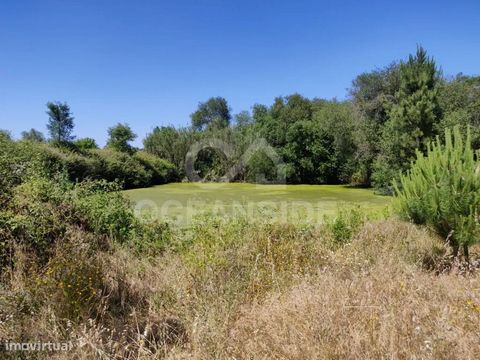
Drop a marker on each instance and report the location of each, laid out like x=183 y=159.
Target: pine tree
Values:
x=442 y=190
x=411 y=117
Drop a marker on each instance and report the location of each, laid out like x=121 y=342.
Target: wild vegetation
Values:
x=78 y=265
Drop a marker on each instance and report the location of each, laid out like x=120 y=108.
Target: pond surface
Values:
x=181 y=202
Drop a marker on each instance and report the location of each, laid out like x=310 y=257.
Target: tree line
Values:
x=366 y=140
x=82 y=159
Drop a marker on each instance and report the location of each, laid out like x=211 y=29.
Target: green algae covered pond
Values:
x=182 y=202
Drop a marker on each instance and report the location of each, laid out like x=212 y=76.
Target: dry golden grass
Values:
x=272 y=292
x=371 y=304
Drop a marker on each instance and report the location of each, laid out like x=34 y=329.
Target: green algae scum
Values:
x=182 y=202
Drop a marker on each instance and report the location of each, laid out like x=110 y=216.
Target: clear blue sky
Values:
x=149 y=63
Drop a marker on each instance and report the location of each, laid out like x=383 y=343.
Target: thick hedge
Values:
x=131 y=170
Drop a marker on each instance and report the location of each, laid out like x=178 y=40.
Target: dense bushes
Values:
x=442 y=189
x=162 y=171
x=103 y=209
x=131 y=170
x=40 y=211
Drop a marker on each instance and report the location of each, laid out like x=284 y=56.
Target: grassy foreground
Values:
x=234 y=290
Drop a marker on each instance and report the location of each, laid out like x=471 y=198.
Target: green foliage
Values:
x=315 y=137
x=60 y=122
x=38 y=216
x=412 y=117
x=86 y=143
x=162 y=171
x=442 y=189
x=372 y=92
x=365 y=140
x=103 y=209
x=170 y=144
x=310 y=150
x=33 y=135
x=5 y=135
x=151 y=238
x=211 y=164
x=19 y=161
x=260 y=168
x=459 y=99
x=345 y=223
x=43 y=210
x=214 y=113
x=336 y=119
x=123 y=168
x=243 y=119
x=119 y=137
x=273 y=123
x=10 y=169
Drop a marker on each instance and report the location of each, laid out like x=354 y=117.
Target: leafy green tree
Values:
x=371 y=94
x=459 y=99
x=214 y=113
x=162 y=142
x=243 y=119
x=5 y=135
x=86 y=143
x=412 y=118
x=170 y=144
x=211 y=164
x=60 y=122
x=336 y=119
x=33 y=135
x=260 y=168
x=119 y=137
x=310 y=152
x=273 y=123
x=442 y=189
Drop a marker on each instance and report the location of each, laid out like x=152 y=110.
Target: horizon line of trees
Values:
x=368 y=139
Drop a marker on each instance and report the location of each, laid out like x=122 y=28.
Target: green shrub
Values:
x=122 y=167
x=345 y=223
x=162 y=170
x=442 y=189
x=18 y=161
x=260 y=167
x=103 y=209
x=42 y=211
x=151 y=238
x=85 y=144
x=38 y=215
